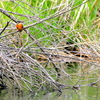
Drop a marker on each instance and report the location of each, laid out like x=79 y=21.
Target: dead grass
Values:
x=37 y=58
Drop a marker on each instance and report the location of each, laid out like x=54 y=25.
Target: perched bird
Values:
x=19 y=26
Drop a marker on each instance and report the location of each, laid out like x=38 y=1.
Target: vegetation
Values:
x=60 y=41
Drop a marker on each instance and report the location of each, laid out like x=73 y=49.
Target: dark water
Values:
x=84 y=93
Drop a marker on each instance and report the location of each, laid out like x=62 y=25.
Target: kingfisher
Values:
x=19 y=26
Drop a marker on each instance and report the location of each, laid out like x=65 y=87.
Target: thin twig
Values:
x=50 y=17
x=4 y=28
x=49 y=56
x=8 y=34
x=5 y=13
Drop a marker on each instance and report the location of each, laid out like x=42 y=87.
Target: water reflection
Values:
x=80 y=74
x=85 y=93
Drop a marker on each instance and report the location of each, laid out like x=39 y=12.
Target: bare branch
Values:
x=4 y=28
x=5 y=13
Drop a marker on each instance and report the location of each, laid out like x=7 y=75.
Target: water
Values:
x=80 y=75
x=85 y=93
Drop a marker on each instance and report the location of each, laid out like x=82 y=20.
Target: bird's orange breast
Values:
x=19 y=26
